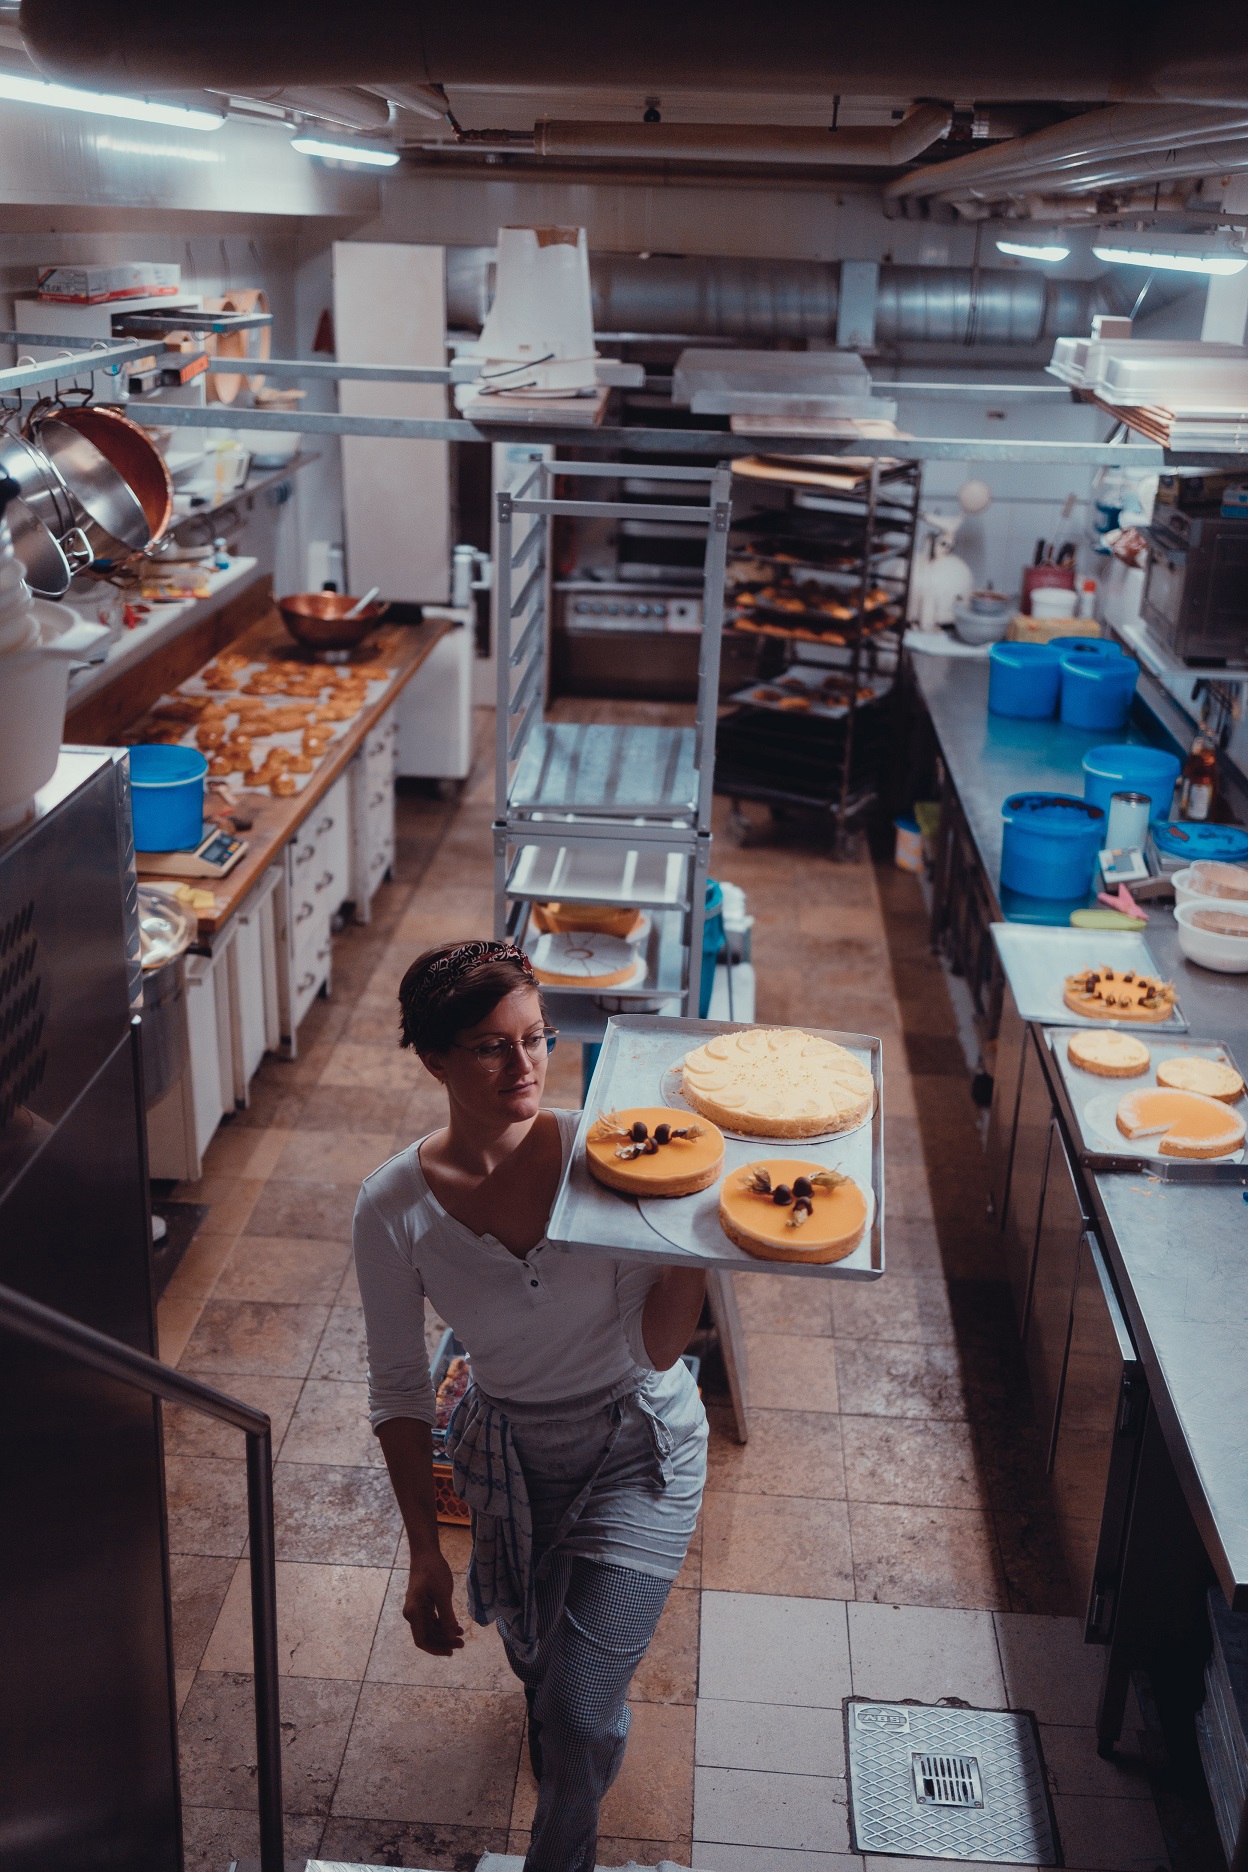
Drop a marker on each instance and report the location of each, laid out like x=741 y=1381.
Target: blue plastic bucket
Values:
x=167 y=797
x=1120 y=767
x=1023 y=680
x=1050 y=844
x=1087 y=646
x=712 y=944
x=1097 y=689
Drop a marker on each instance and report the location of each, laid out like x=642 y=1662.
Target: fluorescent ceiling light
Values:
x=1024 y=252
x=345 y=152
x=104 y=104
x=1221 y=264
x=183 y=152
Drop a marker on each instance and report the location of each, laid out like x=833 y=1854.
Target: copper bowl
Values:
x=133 y=454
x=318 y=620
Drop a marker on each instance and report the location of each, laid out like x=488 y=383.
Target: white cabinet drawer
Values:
x=310 y=974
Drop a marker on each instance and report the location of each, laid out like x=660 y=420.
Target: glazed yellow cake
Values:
x=777 y=1082
x=607 y=919
x=782 y=1209
x=1188 y=1123
x=1193 y=1073
x=1109 y=1055
x=1118 y=994
x=583 y=959
x=687 y=1153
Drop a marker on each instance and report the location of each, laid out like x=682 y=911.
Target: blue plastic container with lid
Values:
x=1050 y=844
x=1097 y=686
x=1121 y=767
x=1023 y=680
x=167 y=797
x=1087 y=646
x=1193 y=840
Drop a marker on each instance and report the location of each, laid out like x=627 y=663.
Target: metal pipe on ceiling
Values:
x=1069 y=153
x=877 y=146
x=765 y=301
x=1064 y=50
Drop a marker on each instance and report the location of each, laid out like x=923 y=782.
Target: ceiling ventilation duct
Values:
x=884 y=147
x=766 y=301
x=353 y=110
x=1064 y=50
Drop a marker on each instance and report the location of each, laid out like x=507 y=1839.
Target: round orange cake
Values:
x=778 y=1082
x=680 y=1166
x=763 y=1227
x=1118 y=994
x=1188 y=1123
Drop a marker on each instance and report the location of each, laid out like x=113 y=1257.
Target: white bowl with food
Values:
x=1212 y=881
x=1215 y=934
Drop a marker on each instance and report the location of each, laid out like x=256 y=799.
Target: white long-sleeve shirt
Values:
x=542 y=1329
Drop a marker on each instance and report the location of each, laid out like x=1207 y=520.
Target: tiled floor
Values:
x=885 y=1529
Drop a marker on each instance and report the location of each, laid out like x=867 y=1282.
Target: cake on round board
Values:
x=1187 y=1123
x=778 y=1082
x=650 y=1151
x=1118 y=994
x=792 y=1209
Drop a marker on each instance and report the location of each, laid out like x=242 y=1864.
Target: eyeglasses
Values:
x=493 y=1055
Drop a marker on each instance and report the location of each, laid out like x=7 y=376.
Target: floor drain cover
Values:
x=935 y=1783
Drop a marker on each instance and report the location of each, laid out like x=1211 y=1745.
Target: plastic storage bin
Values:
x=1050 y=844
x=1125 y=768
x=1023 y=680
x=712 y=944
x=167 y=797
x=1097 y=686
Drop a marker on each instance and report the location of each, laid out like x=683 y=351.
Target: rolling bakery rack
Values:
x=819 y=571
x=593 y=812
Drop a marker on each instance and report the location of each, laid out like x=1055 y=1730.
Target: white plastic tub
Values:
x=1186 y=890
x=33 y=688
x=1227 y=954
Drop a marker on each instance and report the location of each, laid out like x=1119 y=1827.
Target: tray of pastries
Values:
x=748 y=1147
x=1145 y=1100
x=264 y=725
x=1086 y=978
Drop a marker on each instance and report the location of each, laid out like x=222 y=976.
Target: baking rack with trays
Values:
x=289 y=739
x=1076 y=1090
x=637 y=1067
x=1037 y=958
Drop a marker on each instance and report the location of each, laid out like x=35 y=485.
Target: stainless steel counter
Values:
x=1179 y=1256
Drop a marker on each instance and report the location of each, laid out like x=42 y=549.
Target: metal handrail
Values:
x=42 y=1325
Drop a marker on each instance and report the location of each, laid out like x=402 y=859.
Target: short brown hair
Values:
x=433 y=1011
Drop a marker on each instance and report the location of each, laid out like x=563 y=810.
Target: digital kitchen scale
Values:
x=217 y=853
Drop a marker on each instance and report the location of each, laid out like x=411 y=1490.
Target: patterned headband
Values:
x=451 y=968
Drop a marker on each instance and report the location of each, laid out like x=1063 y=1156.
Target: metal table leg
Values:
x=727 y=1318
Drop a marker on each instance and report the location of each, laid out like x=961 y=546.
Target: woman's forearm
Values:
x=407 y=1446
x=671 y=1314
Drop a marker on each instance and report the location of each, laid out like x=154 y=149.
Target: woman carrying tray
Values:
x=581 y=1446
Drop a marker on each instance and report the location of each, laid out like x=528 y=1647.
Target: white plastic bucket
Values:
x=33 y=687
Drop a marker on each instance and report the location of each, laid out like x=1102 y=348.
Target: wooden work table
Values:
x=109 y=717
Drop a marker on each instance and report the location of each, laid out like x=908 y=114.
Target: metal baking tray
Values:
x=637 y=1052
x=1091 y=1101
x=1037 y=958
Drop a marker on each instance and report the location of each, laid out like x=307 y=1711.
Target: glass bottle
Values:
x=1198 y=782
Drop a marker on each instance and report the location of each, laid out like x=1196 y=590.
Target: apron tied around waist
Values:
x=488 y=1477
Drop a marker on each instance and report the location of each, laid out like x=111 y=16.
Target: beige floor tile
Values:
x=326 y=1619
x=331 y=1514
x=887 y=1378
x=198 y=1584
x=481 y=1665
x=330 y=1425
x=903 y=1459
x=265 y=1267
x=1112 y=1835
x=1048 y=1667
x=230 y=1200
x=749 y=1807
x=217 y=1744
x=190 y=1433
x=253 y=1336
x=751 y=1545
x=1074 y=1767
x=770 y=1736
x=291 y=1207
x=774 y=1648
x=789 y=1372
x=926 y=1556
x=214 y=1837
x=350 y=1064
x=707 y=1854
x=772 y=1304
x=923 y=1653
x=421 y=1754
x=207 y=1505
x=343 y=1350
x=915 y=1308
x=788 y=1453
x=176 y=1318
x=200 y=1268
x=669 y=1671
x=239 y=1152
x=182 y=1681
x=653 y=1797
x=336 y=1156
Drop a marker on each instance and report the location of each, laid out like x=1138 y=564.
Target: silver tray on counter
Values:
x=638 y=1053
x=1037 y=958
x=1091 y=1102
